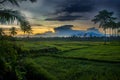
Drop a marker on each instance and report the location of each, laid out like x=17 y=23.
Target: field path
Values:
x=85 y=59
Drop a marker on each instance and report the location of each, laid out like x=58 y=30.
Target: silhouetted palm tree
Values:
x=13 y=31
x=111 y=25
x=118 y=28
x=12 y=71
x=25 y=28
x=1 y=32
x=102 y=18
x=118 y=32
x=14 y=2
x=9 y=15
x=29 y=32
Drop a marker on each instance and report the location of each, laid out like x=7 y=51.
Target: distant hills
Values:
x=67 y=31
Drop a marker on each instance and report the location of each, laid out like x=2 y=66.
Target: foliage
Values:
x=1 y=32
x=103 y=18
x=13 y=66
x=13 y=31
x=9 y=60
x=8 y=16
x=14 y=2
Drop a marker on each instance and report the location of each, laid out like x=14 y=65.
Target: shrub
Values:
x=10 y=68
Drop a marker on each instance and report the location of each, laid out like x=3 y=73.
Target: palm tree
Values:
x=118 y=28
x=26 y=28
x=1 y=32
x=102 y=18
x=13 y=31
x=29 y=32
x=112 y=25
x=9 y=15
x=14 y=2
x=118 y=32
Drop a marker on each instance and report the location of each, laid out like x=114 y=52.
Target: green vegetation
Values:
x=15 y=65
x=59 y=60
x=89 y=50
x=36 y=72
x=71 y=69
x=56 y=60
x=13 y=31
x=75 y=60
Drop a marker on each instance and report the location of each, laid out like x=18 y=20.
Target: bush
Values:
x=8 y=57
x=10 y=67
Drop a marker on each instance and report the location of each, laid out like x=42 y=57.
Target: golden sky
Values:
x=42 y=29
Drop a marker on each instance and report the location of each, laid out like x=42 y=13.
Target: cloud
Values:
x=64 y=27
x=76 y=6
x=85 y=9
x=66 y=18
x=111 y=5
x=36 y=25
x=65 y=11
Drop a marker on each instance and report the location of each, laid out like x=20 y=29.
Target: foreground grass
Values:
x=70 y=69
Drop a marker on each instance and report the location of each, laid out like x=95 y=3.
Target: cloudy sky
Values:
x=47 y=14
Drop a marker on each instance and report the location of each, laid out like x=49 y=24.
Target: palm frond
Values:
x=15 y=2
x=1 y=32
x=8 y=16
x=13 y=31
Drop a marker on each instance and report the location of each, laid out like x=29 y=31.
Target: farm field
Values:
x=74 y=60
x=89 y=50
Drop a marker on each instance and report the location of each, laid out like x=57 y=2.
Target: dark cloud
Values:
x=76 y=6
x=110 y=5
x=81 y=7
x=65 y=10
x=116 y=6
x=64 y=27
x=66 y=18
x=36 y=24
x=55 y=9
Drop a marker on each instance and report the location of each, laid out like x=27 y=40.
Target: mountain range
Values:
x=67 y=31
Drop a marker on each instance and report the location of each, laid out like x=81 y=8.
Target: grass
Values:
x=36 y=72
x=78 y=60
x=101 y=52
x=70 y=69
x=75 y=49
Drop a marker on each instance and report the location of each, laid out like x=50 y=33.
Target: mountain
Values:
x=93 y=32
x=67 y=31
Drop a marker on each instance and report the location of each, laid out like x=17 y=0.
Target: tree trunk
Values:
x=105 y=39
x=117 y=32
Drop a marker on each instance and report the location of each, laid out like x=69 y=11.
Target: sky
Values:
x=44 y=15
